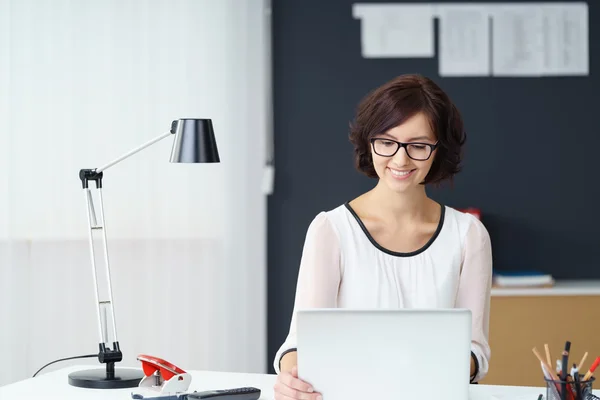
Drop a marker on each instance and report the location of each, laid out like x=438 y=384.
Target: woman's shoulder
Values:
x=329 y=222
x=466 y=224
x=323 y=219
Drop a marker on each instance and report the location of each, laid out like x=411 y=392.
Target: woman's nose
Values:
x=401 y=158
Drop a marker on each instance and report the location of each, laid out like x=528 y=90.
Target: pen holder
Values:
x=557 y=389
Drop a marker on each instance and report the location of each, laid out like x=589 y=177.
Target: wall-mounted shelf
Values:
x=560 y=288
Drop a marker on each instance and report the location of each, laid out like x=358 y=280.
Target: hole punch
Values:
x=162 y=376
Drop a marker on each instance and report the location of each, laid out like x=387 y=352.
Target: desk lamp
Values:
x=194 y=142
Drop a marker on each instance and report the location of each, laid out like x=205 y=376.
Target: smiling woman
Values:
x=412 y=108
x=393 y=246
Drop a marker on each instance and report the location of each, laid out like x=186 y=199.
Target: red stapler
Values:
x=162 y=376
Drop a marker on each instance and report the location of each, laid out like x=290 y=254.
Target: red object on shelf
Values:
x=473 y=211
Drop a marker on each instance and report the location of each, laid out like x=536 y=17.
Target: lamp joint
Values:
x=87 y=175
x=108 y=355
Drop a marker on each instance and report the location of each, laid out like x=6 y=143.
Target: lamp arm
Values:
x=132 y=152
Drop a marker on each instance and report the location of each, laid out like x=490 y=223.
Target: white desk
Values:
x=54 y=386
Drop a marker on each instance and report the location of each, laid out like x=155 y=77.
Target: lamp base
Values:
x=98 y=378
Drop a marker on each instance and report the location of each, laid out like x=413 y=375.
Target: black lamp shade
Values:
x=194 y=141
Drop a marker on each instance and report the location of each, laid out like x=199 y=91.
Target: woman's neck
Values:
x=400 y=207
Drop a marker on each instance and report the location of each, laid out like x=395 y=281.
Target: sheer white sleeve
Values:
x=474 y=292
x=319 y=276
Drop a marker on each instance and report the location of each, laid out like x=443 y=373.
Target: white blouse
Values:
x=342 y=266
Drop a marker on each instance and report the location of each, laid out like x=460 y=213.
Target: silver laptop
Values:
x=385 y=354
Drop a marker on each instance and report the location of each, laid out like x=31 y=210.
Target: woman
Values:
x=393 y=246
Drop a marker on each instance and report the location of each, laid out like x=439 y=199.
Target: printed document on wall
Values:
x=566 y=39
x=395 y=30
x=464 y=40
x=540 y=40
x=517 y=41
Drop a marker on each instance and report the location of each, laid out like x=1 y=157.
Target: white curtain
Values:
x=82 y=83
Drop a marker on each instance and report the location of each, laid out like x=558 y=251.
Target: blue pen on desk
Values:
x=180 y=396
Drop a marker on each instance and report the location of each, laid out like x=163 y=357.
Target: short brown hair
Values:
x=398 y=100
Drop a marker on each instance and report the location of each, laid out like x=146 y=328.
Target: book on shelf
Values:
x=522 y=279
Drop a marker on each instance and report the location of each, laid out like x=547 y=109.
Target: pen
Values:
x=540 y=397
x=591 y=370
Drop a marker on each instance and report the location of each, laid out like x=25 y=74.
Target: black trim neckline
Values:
x=396 y=253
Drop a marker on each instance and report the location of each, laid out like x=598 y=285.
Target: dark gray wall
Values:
x=530 y=149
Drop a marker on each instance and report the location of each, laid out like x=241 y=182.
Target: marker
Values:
x=563 y=375
x=588 y=375
x=565 y=360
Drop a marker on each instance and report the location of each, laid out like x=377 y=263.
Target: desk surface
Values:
x=54 y=385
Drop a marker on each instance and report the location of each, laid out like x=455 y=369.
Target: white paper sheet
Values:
x=540 y=40
x=517 y=43
x=566 y=40
x=464 y=40
x=392 y=30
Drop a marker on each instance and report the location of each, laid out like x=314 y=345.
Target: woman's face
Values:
x=398 y=171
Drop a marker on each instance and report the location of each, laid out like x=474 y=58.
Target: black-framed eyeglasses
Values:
x=416 y=150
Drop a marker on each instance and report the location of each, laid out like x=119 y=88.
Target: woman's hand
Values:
x=289 y=386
